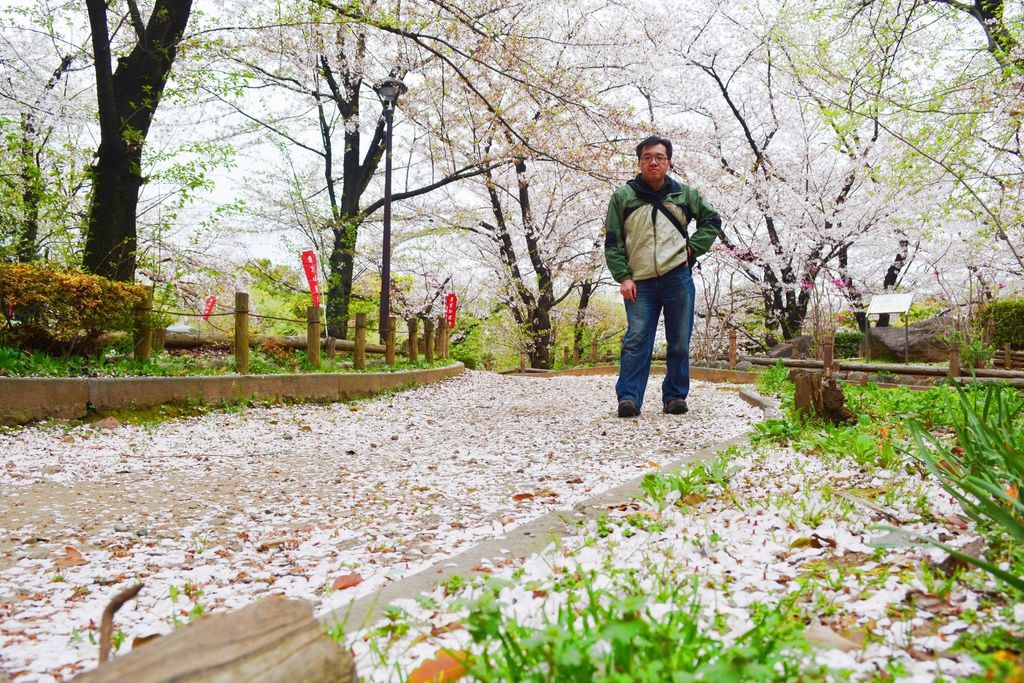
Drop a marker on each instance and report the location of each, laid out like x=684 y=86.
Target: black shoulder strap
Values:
x=658 y=206
x=673 y=220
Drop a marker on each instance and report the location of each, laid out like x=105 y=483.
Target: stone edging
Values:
x=522 y=541
x=696 y=372
x=27 y=399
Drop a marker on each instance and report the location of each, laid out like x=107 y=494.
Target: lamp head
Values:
x=389 y=89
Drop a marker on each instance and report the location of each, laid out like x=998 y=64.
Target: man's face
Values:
x=654 y=165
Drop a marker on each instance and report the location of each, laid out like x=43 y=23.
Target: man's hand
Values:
x=628 y=289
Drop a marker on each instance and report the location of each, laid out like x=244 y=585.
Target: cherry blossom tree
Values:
x=127 y=99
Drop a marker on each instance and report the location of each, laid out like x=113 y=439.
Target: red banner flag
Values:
x=450 y=303
x=211 y=301
x=309 y=265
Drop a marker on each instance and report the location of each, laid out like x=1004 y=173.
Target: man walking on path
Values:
x=650 y=255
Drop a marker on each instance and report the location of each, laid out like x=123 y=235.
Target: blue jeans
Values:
x=674 y=292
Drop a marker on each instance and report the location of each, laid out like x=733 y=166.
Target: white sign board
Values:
x=890 y=303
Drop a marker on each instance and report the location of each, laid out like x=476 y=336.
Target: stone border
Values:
x=521 y=542
x=27 y=399
x=698 y=373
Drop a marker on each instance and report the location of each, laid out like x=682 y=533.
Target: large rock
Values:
x=888 y=343
x=785 y=350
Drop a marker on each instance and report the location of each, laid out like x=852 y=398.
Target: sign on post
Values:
x=450 y=303
x=211 y=301
x=309 y=265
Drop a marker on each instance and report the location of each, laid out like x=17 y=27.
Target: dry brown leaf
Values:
x=139 y=641
x=70 y=558
x=921 y=654
x=285 y=542
x=956 y=521
x=651 y=463
x=447 y=628
x=952 y=564
x=346 y=581
x=694 y=499
x=446 y=666
x=522 y=496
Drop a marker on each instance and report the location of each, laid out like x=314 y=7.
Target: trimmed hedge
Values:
x=847 y=344
x=1005 y=321
x=58 y=310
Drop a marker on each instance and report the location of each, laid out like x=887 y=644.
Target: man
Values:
x=650 y=254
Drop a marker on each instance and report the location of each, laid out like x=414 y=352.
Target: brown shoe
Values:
x=676 y=406
x=627 y=408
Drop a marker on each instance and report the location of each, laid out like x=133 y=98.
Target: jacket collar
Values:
x=645 y=192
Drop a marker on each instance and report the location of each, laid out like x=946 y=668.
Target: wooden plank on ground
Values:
x=270 y=641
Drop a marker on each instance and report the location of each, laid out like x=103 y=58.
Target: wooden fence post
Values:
x=332 y=347
x=565 y=355
x=575 y=354
x=438 y=326
x=389 y=343
x=827 y=354
x=359 y=355
x=159 y=339
x=414 y=345
x=794 y=350
x=144 y=327
x=593 y=351
x=522 y=361
x=1007 y=357
x=242 y=333
x=428 y=339
x=442 y=331
x=954 y=359
x=313 y=335
x=732 y=349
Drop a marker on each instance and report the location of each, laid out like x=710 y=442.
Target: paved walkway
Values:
x=212 y=512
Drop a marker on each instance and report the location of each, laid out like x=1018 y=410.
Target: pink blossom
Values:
x=805 y=285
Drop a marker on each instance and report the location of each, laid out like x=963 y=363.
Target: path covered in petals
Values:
x=211 y=513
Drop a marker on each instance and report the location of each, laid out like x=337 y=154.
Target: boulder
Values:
x=785 y=350
x=888 y=343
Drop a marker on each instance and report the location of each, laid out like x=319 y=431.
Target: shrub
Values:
x=984 y=472
x=1005 y=321
x=53 y=310
x=847 y=344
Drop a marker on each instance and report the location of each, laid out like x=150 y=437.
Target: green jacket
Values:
x=641 y=243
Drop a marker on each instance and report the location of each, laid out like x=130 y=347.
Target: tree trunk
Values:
x=586 y=292
x=32 y=193
x=127 y=101
x=540 y=354
x=339 y=279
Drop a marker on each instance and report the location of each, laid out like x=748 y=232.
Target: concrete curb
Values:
x=27 y=399
x=697 y=373
x=521 y=542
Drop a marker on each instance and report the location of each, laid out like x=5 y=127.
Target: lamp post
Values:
x=388 y=91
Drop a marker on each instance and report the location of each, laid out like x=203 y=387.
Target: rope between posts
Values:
x=272 y=317
x=191 y=315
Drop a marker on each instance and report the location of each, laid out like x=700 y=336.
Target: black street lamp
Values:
x=388 y=91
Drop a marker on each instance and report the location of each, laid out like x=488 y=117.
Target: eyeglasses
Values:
x=655 y=158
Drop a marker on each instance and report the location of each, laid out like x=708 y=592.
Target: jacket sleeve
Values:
x=615 y=240
x=708 y=224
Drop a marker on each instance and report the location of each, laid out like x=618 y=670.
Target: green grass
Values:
x=612 y=635
x=112 y=362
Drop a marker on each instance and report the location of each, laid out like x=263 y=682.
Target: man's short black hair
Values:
x=652 y=140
